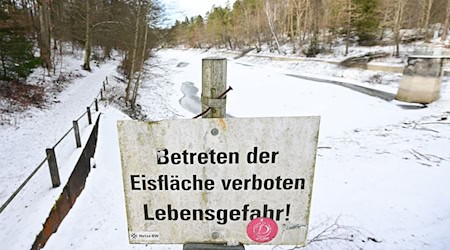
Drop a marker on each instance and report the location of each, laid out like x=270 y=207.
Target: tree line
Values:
x=312 y=25
x=33 y=32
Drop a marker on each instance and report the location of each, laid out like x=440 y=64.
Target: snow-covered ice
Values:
x=382 y=168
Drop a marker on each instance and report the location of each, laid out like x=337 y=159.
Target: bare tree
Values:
x=348 y=25
x=271 y=14
x=44 y=33
x=428 y=7
x=134 y=55
x=143 y=57
x=300 y=8
x=398 y=20
x=278 y=21
x=87 y=43
x=446 y=22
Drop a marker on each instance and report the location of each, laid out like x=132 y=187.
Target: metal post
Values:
x=96 y=105
x=106 y=81
x=54 y=173
x=214 y=82
x=104 y=86
x=101 y=94
x=76 y=131
x=89 y=115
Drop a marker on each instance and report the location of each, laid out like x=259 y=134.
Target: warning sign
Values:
x=214 y=180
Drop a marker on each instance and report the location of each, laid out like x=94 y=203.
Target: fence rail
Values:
x=50 y=152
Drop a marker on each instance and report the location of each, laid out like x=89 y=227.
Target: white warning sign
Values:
x=213 y=180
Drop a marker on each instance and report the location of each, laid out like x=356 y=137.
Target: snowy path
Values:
x=23 y=146
x=383 y=170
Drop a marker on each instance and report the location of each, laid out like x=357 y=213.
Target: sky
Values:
x=178 y=9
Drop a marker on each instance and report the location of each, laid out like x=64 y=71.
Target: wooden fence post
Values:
x=76 y=131
x=101 y=94
x=96 y=105
x=214 y=83
x=53 y=166
x=104 y=86
x=89 y=115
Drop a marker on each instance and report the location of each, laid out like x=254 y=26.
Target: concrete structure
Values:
x=421 y=81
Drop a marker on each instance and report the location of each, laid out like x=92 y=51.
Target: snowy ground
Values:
x=39 y=129
x=382 y=168
x=23 y=148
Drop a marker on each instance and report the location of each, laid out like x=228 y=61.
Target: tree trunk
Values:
x=144 y=50
x=135 y=45
x=422 y=14
x=292 y=29
x=229 y=42
x=398 y=25
x=446 y=23
x=44 y=34
x=299 y=18
x=427 y=19
x=307 y=19
x=316 y=17
x=258 y=25
x=271 y=25
x=2 y=58
x=259 y=47
x=349 y=25
x=87 y=43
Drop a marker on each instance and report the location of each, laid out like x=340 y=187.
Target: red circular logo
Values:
x=262 y=230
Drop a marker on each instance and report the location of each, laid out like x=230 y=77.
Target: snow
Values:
x=24 y=217
x=23 y=149
x=325 y=68
x=97 y=216
x=381 y=172
x=43 y=128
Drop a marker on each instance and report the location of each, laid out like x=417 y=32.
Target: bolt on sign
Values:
x=219 y=180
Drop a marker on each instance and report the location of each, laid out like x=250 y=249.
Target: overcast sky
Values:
x=178 y=9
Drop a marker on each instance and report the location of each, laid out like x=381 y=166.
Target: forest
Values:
x=312 y=26
x=36 y=32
